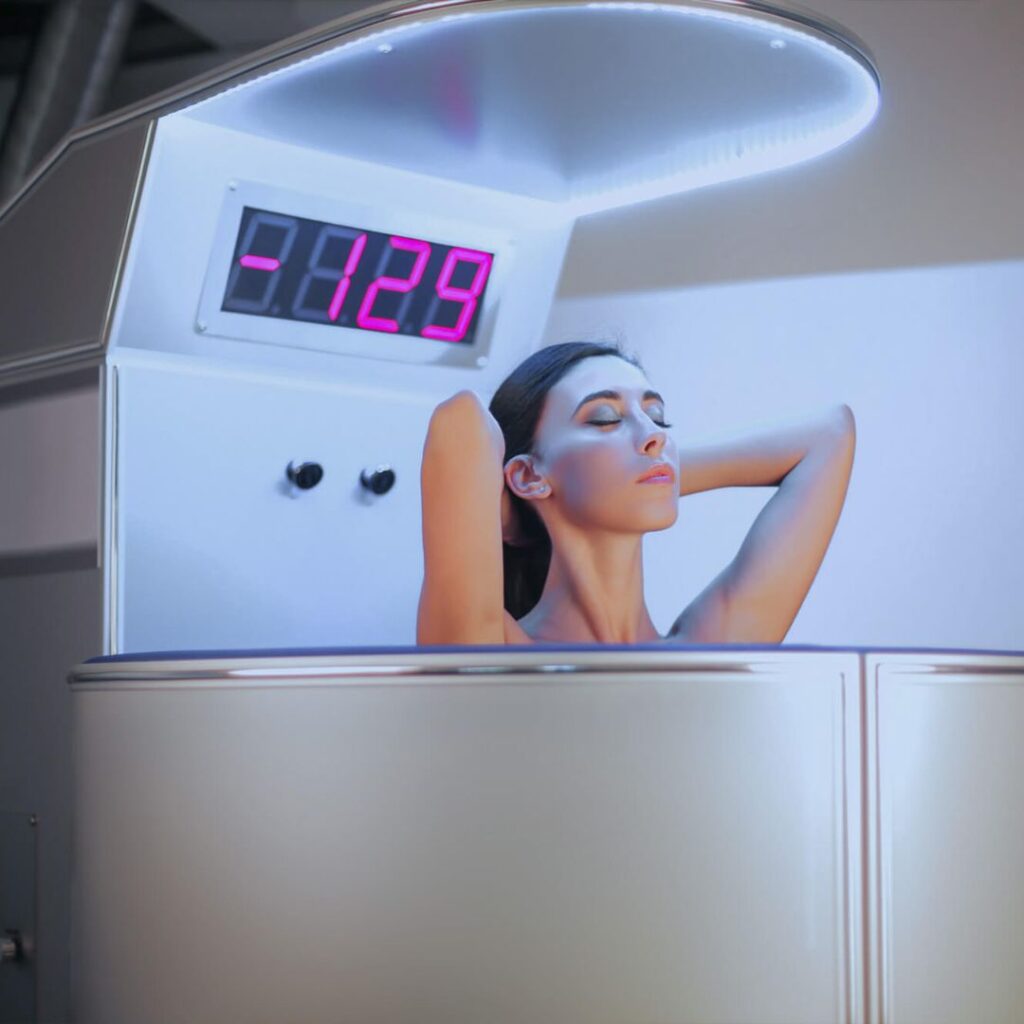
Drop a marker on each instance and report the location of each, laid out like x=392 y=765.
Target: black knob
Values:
x=380 y=480
x=305 y=475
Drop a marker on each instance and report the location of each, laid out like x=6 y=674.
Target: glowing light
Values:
x=468 y=296
x=393 y=284
x=350 y=265
x=690 y=161
x=260 y=262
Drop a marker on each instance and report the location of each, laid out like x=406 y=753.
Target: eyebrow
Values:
x=615 y=395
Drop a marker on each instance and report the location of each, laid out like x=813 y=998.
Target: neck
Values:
x=594 y=593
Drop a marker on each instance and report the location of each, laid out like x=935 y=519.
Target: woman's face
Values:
x=589 y=452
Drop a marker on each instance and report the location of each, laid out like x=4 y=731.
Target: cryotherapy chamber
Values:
x=217 y=406
x=281 y=270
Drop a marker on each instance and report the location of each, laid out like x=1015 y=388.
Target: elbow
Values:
x=846 y=434
x=457 y=422
x=844 y=423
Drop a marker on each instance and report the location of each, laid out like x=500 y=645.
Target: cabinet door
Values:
x=502 y=839
x=945 y=763
x=218 y=549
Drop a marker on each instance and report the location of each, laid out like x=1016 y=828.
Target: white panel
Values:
x=190 y=171
x=50 y=473
x=586 y=849
x=949 y=924
x=425 y=226
x=218 y=549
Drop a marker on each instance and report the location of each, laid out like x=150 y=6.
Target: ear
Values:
x=523 y=479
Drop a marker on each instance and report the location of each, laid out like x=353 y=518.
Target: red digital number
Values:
x=467 y=296
x=365 y=316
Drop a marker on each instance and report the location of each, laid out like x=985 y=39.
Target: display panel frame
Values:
x=212 y=320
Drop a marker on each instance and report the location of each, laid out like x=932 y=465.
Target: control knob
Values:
x=305 y=475
x=379 y=480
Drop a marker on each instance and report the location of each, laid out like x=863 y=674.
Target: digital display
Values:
x=292 y=268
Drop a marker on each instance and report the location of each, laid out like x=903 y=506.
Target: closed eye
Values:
x=611 y=423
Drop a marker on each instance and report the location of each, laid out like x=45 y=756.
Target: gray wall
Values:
x=49 y=622
x=935 y=180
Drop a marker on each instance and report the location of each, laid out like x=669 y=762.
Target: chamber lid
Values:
x=588 y=105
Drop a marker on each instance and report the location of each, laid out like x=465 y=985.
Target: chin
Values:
x=654 y=522
x=663 y=526
x=659 y=519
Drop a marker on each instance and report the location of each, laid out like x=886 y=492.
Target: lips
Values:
x=662 y=473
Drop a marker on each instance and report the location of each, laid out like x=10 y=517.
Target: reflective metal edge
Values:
x=945 y=665
x=24 y=368
x=341 y=669
x=237 y=72
x=936 y=669
x=129 y=231
x=109 y=534
x=823 y=26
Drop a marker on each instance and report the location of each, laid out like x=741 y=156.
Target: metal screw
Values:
x=201 y=325
x=10 y=946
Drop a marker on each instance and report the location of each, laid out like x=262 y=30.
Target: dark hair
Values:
x=517 y=406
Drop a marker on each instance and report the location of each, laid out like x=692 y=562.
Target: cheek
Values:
x=591 y=475
x=595 y=486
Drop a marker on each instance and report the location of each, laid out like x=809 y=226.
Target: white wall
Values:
x=885 y=275
x=928 y=551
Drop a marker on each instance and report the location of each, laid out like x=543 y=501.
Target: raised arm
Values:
x=757 y=596
x=461 y=484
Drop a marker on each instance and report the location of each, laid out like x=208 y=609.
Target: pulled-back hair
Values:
x=517 y=406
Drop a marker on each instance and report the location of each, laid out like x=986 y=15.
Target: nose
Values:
x=654 y=440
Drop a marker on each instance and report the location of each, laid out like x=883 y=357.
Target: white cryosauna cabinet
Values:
x=229 y=312
x=289 y=264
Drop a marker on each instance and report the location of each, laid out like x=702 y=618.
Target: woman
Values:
x=534 y=510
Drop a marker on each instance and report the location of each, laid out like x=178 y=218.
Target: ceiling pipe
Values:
x=79 y=52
